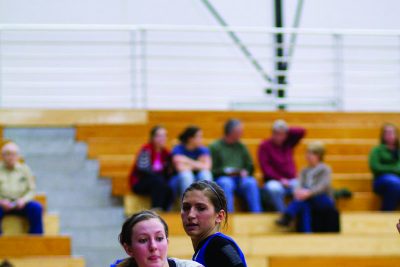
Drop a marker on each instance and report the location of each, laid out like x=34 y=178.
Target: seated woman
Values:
x=152 y=170
x=191 y=159
x=144 y=236
x=314 y=191
x=204 y=210
x=384 y=162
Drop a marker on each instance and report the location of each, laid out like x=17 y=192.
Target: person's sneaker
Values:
x=284 y=220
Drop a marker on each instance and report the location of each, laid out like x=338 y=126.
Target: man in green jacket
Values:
x=17 y=189
x=384 y=162
x=233 y=167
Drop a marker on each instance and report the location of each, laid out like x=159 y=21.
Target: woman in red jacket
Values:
x=152 y=170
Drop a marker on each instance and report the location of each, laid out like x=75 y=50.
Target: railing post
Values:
x=1 y=71
x=338 y=71
x=134 y=91
x=143 y=68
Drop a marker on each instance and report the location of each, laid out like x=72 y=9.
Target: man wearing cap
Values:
x=17 y=189
x=276 y=158
x=233 y=167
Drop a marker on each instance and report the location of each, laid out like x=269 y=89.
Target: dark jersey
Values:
x=219 y=250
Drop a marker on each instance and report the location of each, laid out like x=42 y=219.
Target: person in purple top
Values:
x=276 y=158
x=191 y=160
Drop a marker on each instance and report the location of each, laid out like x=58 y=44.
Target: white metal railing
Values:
x=199 y=67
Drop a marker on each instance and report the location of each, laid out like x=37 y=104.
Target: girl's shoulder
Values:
x=185 y=263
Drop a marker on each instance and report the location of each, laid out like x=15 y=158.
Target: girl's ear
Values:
x=128 y=250
x=220 y=217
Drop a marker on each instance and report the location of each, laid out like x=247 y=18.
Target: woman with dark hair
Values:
x=384 y=162
x=203 y=211
x=191 y=159
x=144 y=237
x=152 y=169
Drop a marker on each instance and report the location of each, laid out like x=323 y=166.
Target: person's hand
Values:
x=398 y=226
x=6 y=205
x=20 y=204
x=302 y=194
x=285 y=182
x=244 y=173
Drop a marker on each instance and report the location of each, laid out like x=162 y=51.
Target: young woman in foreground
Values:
x=144 y=237
x=204 y=209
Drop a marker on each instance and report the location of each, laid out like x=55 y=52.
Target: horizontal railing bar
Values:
x=191 y=28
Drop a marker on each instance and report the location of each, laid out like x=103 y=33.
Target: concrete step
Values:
x=60 y=162
x=40 y=167
x=56 y=182
x=94 y=237
x=14 y=132
x=46 y=147
x=66 y=198
x=93 y=217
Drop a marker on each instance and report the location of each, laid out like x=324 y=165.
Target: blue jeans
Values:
x=388 y=187
x=245 y=187
x=276 y=193
x=33 y=212
x=304 y=208
x=183 y=180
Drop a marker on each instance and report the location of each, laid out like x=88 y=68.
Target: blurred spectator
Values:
x=384 y=161
x=314 y=191
x=276 y=158
x=152 y=170
x=17 y=189
x=233 y=167
x=191 y=159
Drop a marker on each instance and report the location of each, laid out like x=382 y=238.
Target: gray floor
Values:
x=87 y=211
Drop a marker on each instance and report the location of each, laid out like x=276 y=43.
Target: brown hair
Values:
x=125 y=237
x=187 y=133
x=382 y=136
x=214 y=193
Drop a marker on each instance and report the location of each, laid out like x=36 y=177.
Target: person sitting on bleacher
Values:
x=314 y=192
x=17 y=189
x=152 y=170
x=191 y=159
x=384 y=161
x=233 y=167
x=276 y=158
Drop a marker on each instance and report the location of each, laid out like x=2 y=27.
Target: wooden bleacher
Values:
x=348 y=137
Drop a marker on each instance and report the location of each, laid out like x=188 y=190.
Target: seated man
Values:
x=232 y=166
x=277 y=164
x=17 y=189
x=314 y=192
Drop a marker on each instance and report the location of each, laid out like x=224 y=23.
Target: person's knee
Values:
x=226 y=183
x=205 y=175
x=273 y=187
x=250 y=182
x=34 y=207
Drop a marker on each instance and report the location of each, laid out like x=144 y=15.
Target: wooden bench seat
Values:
x=60 y=261
x=360 y=201
x=303 y=245
x=327 y=261
x=16 y=225
x=29 y=246
x=130 y=146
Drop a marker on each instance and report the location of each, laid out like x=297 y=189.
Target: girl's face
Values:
x=198 y=215
x=312 y=158
x=390 y=135
x=160 y=138
x=197 y=139
x=149 y=244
